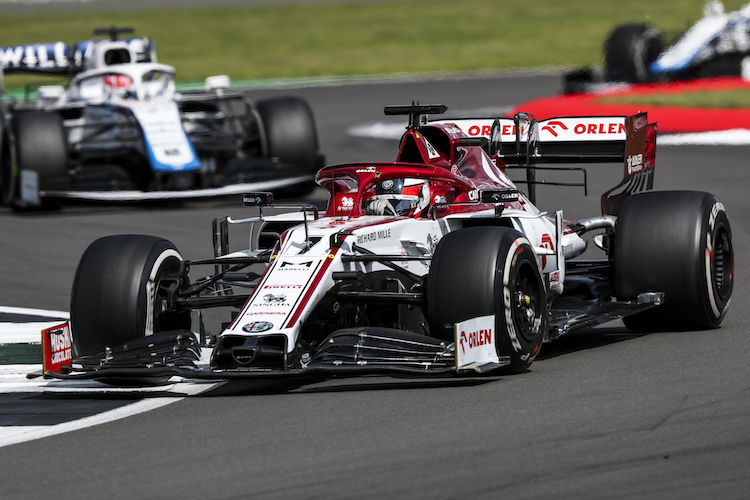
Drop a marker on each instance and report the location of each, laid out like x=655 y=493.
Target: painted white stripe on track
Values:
x=34 y=312
x=20 y=434
x=13 y=380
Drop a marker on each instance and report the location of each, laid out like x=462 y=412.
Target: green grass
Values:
x=708 y=99
x=347 y=39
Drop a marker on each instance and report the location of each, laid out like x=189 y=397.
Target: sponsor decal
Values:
x=511 y=130
x=270 y=298
x=347 y=203
x=599 y=128
x=296 y=265
x=476 y=338
x=546 y=243
x=634 y=163
x=283 y=286
x=475 y=342
x=258 y=326
x=470 y=127
x=552 y=125
x=374 y=235
x=554 y=279
x=57 y=346
x=42 y=56
x=476 y=130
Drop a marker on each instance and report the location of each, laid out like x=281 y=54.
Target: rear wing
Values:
x=57 y=58
x=524 y=142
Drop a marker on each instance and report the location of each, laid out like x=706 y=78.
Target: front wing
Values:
x=352 y=351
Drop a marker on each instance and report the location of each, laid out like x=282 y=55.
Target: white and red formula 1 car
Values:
x=434 y=263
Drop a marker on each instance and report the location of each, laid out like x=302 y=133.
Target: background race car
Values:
x=121 y=131
x=716 y=45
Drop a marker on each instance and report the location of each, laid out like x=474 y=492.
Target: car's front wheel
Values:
x=123 y=290
x=483 y=271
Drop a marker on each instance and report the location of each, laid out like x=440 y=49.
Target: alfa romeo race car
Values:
x=717 y=45
x=436 y=263
x=120 y=131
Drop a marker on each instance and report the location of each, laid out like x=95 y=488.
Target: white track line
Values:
x=20 y=434
x=13 y=380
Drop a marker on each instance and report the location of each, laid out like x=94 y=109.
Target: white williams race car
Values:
x=717 y=45
x=120 y=131
x=434 y=263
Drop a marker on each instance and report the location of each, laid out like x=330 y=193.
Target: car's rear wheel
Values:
x=485 y=271
x=289 y=129
x=40 y=152
x=289 y=135
x=680 y=243
x=629 y=51
x=123 y=290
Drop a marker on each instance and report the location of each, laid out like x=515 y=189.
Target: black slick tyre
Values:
x=628 y=52
x=123 y=290
x=289 y=130
x=680 y=243
x=483 y=271
x=41 y=148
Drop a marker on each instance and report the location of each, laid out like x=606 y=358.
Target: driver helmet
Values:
x=406 y=197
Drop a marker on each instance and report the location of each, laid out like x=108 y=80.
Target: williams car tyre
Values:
x=628 y=52
x=680 y=243
x=40 y=154
x=289 y=135
x=123 y=290
x=482 y=271
x=289 y=130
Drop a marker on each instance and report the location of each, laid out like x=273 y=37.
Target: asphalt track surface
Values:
x=601 y=414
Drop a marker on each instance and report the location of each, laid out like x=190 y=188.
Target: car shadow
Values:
x=586 y=338
x=316 y=385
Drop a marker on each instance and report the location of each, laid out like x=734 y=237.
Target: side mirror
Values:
x=262 y=199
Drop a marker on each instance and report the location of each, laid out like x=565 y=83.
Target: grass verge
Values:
x=364 y=38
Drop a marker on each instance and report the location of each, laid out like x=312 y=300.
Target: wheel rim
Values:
x=527 y=310
x=722 y=264
x=165 y=290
